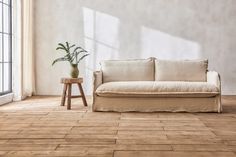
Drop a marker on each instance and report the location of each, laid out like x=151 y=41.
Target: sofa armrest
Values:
x=214 y=78
x=97 y=79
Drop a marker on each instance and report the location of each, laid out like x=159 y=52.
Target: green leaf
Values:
x=72 y=46
x=59 y=59
x=81 y=58
x=67 y=45
x=76 y=49
x=60 y=48
x=62 y=45
x=69 y=57
x=79 y=52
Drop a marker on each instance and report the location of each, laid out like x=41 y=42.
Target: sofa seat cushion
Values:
x=157 y=89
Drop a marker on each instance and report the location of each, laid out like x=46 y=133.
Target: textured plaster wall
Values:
x=120 y=29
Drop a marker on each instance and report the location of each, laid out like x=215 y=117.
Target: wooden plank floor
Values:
x=40 y=127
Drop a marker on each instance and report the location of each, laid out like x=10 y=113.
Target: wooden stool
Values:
x=67 y=87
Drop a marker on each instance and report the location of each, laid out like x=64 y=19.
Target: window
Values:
x=5 y=47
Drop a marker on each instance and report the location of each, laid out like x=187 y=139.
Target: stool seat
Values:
x=67 y=89
x=72 y=80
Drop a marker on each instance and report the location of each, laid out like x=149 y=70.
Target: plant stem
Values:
x=76 y=58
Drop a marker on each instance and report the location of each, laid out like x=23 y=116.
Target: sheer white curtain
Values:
x=23 y=66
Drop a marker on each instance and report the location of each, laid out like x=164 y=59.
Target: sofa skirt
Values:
x=159 y=104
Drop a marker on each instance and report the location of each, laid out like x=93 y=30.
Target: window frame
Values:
x=10 y=37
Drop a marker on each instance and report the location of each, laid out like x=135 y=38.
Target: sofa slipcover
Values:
x=119 y=87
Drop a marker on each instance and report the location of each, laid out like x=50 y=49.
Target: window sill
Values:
x=6 y=98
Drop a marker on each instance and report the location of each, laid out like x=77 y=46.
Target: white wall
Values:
x=108 y=29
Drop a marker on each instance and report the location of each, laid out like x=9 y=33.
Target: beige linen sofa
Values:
x=149 y=85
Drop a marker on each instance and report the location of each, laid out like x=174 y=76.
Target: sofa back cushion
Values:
x=182 y=70
x=128 y=70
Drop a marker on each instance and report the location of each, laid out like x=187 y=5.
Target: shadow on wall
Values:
x=102 y=37
x=101 y=33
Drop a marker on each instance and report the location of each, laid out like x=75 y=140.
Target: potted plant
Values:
x=73 y=54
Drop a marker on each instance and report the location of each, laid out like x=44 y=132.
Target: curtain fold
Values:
x=24 y=65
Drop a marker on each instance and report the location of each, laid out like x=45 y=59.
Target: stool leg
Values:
x=69 y=98
x=82 y=94
x=64 y=95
